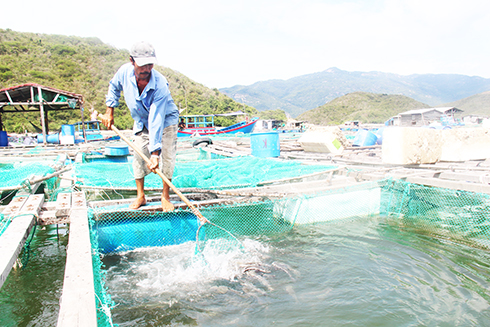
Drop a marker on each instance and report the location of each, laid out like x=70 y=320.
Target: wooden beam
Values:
x=8 y=96
x=32 y=94
x=454 y=185
x=63 y=204
x=36 y=103
x=41 y=108
x=36 y=110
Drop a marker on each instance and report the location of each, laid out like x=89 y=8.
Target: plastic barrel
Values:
x=4 y=140
x=116 y=150
x=67 y=130
x=50 y=138
x=364 y=138
x=265 y=144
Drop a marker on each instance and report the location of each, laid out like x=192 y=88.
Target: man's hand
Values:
x=154 y=160
x=108 y=118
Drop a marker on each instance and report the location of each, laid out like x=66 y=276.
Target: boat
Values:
x=92 y=131
x=76 y=131
x=204 y=125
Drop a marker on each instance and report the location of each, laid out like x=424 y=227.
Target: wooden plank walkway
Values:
x=23 y=211
x=77 y=305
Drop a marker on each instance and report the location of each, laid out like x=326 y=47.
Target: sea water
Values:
x=369 y=271
x=30 y=295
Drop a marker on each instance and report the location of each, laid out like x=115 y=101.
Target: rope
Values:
x=105 y=308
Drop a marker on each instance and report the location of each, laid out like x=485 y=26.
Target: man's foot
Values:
x=138 y=203
x=167 y=206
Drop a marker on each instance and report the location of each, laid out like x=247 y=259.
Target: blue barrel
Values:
x=116 y=150
x=364 y=138
x=4 y=140
x=67 y=130
x=265 y=144
x=50 y=138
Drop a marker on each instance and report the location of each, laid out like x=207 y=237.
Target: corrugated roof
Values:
x=442 y=110
x=22 y=93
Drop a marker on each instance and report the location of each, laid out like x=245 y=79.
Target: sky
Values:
x=222 y=43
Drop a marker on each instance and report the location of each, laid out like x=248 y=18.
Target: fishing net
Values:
x=13 y=175
x=4 y=223
x=460 y=216
x=207 y=174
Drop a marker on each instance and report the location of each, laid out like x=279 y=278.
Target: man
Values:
x=181 y=124
x=155 y=117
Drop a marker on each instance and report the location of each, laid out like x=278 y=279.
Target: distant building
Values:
x=268 y=124
x=473 y=119
x=425 y=117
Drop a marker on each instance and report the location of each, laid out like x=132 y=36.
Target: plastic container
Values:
x=379 y=135
x=67 y=139
x=364 y=138
x=116 y=150
x=320 y=141
x=67 y=130
x=265 y=145
x=4 y=140
x=50 y=138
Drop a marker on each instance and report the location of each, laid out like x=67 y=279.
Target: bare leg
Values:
x=140 y=194
x=166 y=204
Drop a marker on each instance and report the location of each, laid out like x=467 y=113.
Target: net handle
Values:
x=163 y=177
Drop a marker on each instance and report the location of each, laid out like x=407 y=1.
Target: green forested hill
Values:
x=85 y=66
x=362 y=106
x=478 y=104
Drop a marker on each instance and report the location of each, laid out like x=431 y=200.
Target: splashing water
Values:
x=171 y=271
x=153 y=283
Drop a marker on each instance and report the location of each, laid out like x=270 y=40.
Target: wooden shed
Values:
x=34 y=97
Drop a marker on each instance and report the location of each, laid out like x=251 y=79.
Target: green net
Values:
x=4 y=223
x=37 y=150
x=103 y=300
x=207 y=174
x=15 y=174
x=453 y=214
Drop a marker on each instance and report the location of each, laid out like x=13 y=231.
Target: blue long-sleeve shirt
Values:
x=154 y=108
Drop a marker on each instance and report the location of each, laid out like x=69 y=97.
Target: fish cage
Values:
x=459 y=218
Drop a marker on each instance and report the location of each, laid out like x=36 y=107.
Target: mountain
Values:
x=478 y=104
x=85 y=66
x=362 y=106
x=299 y=94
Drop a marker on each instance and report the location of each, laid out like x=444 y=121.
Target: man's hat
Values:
x=143 y=53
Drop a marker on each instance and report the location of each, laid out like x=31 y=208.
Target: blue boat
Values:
x=92 y=132
x=204 y=125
